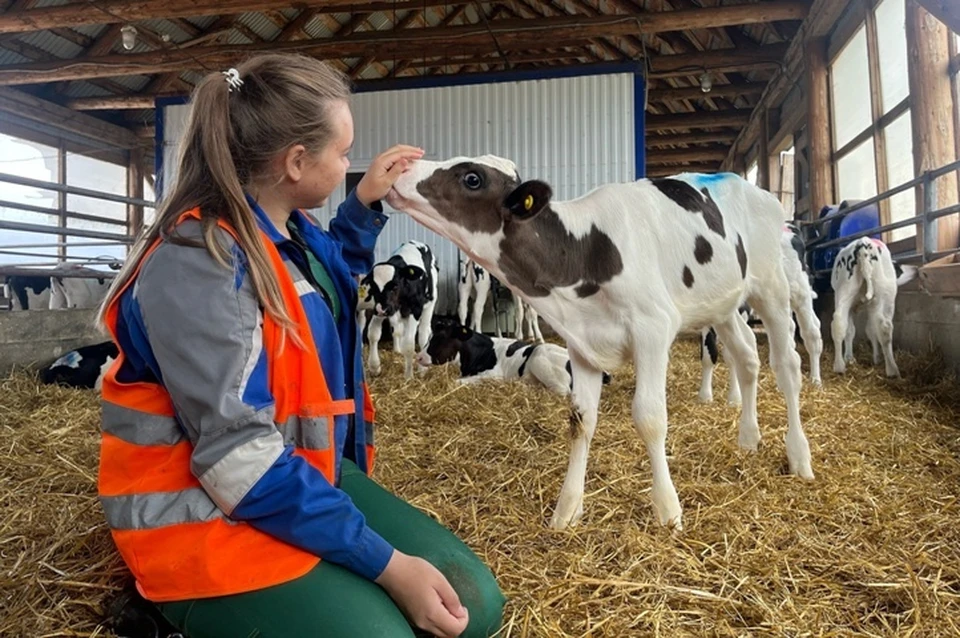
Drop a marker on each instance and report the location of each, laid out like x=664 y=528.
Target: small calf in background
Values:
x=482 y=357
x=81 y=368
x=474 y=278
x=404 y=285
x=864 y=277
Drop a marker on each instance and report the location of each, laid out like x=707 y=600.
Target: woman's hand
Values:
x=386 y=168
x=424 y=595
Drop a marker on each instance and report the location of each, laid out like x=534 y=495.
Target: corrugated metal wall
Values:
x=575 y=133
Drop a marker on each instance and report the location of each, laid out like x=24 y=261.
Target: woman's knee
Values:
x=485 y=602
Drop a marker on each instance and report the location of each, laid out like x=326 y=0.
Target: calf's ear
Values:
x=528 y=199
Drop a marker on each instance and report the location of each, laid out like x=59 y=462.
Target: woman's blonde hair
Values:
x=230 y=139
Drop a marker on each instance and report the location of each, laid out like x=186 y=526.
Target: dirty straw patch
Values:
x=872 y=547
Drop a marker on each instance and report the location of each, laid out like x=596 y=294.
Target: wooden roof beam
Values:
x=701 y=119
x=665 y=171
x=34 y=108
x=470 y=38
x=659 y=141
x=692 y=154
x=82 y=13
x=695 y=93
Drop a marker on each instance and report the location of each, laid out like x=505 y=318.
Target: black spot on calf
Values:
x=689 y=199
x=741 y=256
x=702 y=250
x=710 y=342
x=687 y=277
x=587 y=289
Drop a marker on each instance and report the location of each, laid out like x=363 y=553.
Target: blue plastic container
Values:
x=856 y=222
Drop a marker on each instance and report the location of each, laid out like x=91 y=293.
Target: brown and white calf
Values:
x=618 y=273
x=801 y=302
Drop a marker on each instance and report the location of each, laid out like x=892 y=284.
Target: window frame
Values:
x=878 y=119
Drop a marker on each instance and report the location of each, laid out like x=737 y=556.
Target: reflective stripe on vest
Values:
x=175 y=535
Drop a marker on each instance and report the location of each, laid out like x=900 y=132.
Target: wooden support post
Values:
x=763 y=153
x=135 y=189
x=818 y=125
x=930 y=114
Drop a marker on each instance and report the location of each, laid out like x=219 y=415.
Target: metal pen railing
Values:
x=926 y=219
x=61 y=261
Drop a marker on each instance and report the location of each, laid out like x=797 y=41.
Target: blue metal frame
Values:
x=438 y=81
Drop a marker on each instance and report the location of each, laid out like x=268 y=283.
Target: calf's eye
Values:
x=473 y=181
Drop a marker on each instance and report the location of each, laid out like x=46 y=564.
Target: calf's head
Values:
x=387 y=284
x=445 y=342
x=468 y=200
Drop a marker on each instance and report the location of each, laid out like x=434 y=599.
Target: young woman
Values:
x=237 y=428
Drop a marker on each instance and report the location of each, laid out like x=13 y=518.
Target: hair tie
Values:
x=233 y=80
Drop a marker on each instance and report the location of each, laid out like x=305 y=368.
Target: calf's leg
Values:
x=587 y=385
x=651 y=359
x=373 y=336
x=741 y=345
x=773 y=306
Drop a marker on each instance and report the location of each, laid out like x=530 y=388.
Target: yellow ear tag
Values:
x=528 y=202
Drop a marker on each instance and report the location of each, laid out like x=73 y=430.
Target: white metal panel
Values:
x=575 y=133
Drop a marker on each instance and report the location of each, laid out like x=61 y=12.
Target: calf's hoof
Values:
x=703 y=397
x=566 y=515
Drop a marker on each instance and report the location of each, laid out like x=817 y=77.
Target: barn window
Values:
x=870 y=100
x=99 y=215
x=31 y=160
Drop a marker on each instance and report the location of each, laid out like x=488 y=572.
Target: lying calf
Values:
x=81 y=368
x=482 y=357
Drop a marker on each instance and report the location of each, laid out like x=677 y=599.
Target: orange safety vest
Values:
x=145 y=467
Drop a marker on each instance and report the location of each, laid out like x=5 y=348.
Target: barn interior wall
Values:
x=922 y=323
x=37 y=337
x=574 y=132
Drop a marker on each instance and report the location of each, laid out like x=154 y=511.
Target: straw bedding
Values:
x=872 y=547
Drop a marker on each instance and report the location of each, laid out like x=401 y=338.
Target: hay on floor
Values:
x=871 y=547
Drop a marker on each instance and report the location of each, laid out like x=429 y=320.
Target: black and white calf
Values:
x=864 y=277
x=474 y=278
x=618 y=273
x=81 y=368
x=481 y=357
x=404 y=285
x=801 y=302
x=28 y=292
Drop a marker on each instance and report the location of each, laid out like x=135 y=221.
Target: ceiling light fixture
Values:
x=128 y=35
x=705 y=82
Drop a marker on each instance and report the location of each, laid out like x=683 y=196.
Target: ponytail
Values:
x=230 y=139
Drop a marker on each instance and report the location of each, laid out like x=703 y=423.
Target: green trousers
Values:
x=333 y=602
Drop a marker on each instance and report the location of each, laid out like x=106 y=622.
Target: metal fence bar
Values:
x=60 y=243
x=74 y=190
x=25 y=253
x=864 y=233
x=943 y=212
x=76 y=273
x=913 y=183
x=73 y=232
x=30 y=208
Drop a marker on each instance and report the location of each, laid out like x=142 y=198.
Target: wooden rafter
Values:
x=103 y=11
x=720 y=137
x=703 y=119
x=475 y=38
